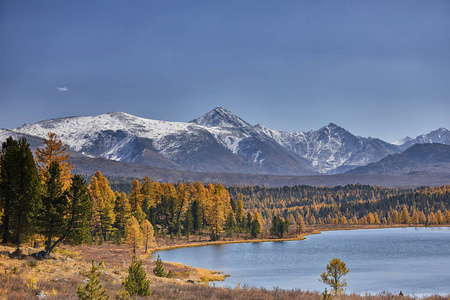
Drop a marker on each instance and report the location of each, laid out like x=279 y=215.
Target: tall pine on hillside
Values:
x=20 y=189
x=63 y=214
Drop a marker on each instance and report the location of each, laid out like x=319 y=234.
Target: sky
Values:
x=376 y=68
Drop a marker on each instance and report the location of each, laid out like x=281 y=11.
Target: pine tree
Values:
x=55 y=205
x=133 y=233
x=122 y=211
x=147 y=232
x=159 y=269
x=240 y=212
x=93 y=289
x=20 y=189
x=136 y=283
x=197 y=221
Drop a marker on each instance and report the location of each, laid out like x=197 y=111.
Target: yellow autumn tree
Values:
x=404 y=215
x=136 y=198
x=54 y=150
x=147 y=234
x=414 y=217
x=300 y=223
x=102 y=200
x=133 y=234
x=216 y=211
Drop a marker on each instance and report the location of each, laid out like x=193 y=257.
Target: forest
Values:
x=42 y=201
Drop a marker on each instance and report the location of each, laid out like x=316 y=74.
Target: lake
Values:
x=413 y=260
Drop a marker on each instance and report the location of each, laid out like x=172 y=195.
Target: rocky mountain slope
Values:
x=219 y=141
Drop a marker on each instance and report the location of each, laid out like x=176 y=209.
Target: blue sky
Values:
x=376 y=68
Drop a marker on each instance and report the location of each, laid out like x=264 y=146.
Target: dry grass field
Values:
x=59 y=276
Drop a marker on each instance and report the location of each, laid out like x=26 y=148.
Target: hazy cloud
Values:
x=62 y=89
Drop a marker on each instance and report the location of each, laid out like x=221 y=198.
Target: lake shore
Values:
x=167 y=244
x=60 y=276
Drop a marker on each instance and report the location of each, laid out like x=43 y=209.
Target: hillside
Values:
x=418 y=158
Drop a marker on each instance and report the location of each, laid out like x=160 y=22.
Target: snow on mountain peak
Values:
x=402 y=141
x=220 y=117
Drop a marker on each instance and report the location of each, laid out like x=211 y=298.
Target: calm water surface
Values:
x=413 y=260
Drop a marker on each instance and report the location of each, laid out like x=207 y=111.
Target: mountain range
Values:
x=221 y=142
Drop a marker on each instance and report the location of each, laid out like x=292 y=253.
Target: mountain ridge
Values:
x=218 y=141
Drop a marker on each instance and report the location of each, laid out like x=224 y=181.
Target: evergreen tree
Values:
x=136 y=283
x=279 y=226
x=122 y=211
x=93 y=289
x=188 y=224
x=197 y=219
x=159 y=269
x=55 y=206
x=64 y=215
x=230 y=223
x=20 y=189
x=336 y=269
x=255 y=229
x=240 y=212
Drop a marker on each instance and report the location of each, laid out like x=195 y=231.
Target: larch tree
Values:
x=404 y=215
x=216 y=216
x=182 y=201
x=54 y=150
x=415 y=217
x=148 y=234
x=133 y=234
x=20 y=190
x=136 y=198
x=300 y=224
x=102 y=200
x=333 y=276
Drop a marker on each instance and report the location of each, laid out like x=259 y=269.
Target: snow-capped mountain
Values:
x=441 y=136
x=219 y=141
